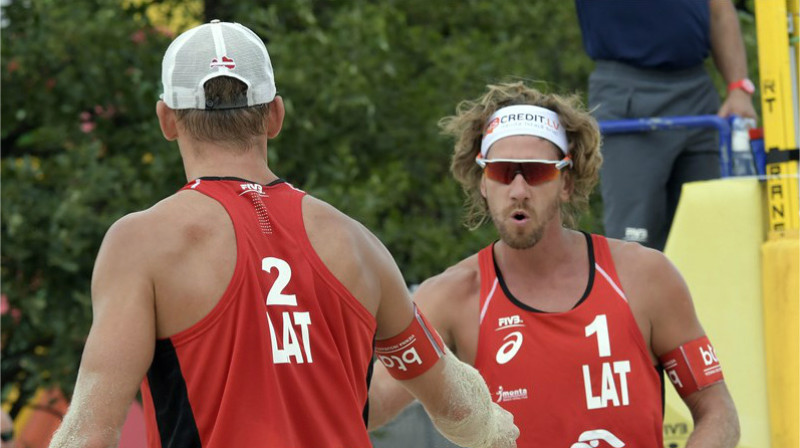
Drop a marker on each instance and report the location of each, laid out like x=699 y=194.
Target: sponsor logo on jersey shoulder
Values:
x=592 y=439
x=511 y=395
x=509 y=322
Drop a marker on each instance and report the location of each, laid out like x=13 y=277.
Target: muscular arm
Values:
x=715 y=421
x=120 y=344
x=452 y=392
x=730 y=58
x=439 y=298
x=664 y=298
x=360 y=261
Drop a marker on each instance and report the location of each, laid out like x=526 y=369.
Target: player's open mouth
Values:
x=519 y=216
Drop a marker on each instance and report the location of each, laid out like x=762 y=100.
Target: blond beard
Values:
x=529 y=238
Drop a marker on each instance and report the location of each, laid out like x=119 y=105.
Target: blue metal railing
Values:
x=722 y=125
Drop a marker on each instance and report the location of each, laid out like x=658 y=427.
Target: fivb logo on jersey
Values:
x=250 y=187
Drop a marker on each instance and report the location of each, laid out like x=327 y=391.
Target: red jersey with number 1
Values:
x=578 y=379
x=283 y=359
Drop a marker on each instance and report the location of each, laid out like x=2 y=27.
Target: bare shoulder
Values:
x=334 y=233
x=640 y=267
x=348 y=249
x=450 y=301
x=658 y=295
x=458 y=285
x=178 y=222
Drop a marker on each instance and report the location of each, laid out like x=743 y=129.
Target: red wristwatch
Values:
x=744 y=84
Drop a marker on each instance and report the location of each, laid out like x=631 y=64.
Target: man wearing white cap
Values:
x=571 y=331
x=248 y=310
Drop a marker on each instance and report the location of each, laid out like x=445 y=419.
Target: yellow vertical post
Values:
x=778 y=90
x=777 y=32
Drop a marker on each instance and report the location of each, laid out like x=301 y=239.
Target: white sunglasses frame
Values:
x=560 y=164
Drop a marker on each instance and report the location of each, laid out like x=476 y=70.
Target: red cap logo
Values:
x=226 y=62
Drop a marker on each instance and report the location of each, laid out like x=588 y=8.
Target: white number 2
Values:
x=599 y=326
x=276 y=295
x=290 y=351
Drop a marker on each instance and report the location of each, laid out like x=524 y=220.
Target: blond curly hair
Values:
x=466 y=126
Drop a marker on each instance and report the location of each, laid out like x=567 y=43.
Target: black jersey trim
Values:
x=239 y=179
x=365 y=412
x=517 y=302
x=660 y=369
x=177 y=427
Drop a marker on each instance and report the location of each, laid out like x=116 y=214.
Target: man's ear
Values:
x=483 y=185
x=167 y=121
x=275 y=117
x=567 y=184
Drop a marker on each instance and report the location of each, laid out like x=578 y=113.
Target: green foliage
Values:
x=365 y=86
x=364 y=82
x=80 y=149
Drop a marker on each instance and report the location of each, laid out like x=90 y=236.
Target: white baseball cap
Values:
x=210 y=50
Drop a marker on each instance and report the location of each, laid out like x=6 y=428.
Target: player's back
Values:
x=281 y=357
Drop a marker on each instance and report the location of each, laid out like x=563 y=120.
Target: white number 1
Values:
x=599 y=326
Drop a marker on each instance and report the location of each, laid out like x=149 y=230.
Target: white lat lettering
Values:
x=290 y=350
x=304 y=320
x=610 y=388
x=291 y=344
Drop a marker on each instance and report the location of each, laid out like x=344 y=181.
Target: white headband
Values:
x=524 y=120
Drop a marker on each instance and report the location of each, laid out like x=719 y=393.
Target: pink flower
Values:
x=88 y=126
x=86 y=116
x=164 y=31
x=138 y=37
x=4 y=306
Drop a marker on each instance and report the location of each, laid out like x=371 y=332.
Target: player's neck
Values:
x=549 y=276
x=208 y=160
x=557 y=249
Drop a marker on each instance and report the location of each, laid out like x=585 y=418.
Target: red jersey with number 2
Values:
x=283 y=359
x=578 y=379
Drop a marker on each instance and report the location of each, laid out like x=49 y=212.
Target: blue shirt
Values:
x=655 y=34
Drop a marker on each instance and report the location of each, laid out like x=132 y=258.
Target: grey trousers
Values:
x=642 y=173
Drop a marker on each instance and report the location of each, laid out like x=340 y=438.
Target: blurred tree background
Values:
x=364 y=82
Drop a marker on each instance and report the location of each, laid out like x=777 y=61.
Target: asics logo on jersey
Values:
x=511 y=395
x=509 y=349
x=592 y=439
x=509 y=322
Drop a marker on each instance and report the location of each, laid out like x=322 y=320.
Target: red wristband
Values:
x=744 y=84
x=412 y=352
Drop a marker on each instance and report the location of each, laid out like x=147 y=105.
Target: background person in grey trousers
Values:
x=649 y=62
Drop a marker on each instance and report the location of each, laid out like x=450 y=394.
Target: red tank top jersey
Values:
x=578 y=379
x=284 y=358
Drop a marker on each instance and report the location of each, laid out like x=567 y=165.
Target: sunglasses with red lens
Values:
x=534 y=171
